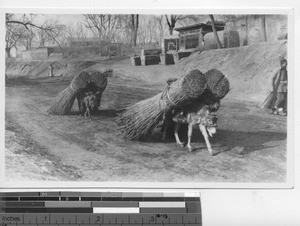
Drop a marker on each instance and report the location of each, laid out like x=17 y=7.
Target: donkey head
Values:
x=211 y=118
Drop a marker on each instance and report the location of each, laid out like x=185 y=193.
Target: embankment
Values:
x=249 y=68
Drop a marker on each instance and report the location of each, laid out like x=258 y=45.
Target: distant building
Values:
x=189 y=39
x=192 y=37
x=115 y=49
x=170 y=43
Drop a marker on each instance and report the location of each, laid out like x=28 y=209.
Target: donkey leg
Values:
x=206 y=138
x=190 y=133
x=80 y=107
x=177 y=125
x=99 y=101
x=86 y=110
x=89 y=113
x=164 y=132
x=164 y=126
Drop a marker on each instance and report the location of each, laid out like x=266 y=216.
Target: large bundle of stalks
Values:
x=217 y=87
x=83 y=82
x=140 y=119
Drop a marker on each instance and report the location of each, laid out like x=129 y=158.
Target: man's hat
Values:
x=283 y=61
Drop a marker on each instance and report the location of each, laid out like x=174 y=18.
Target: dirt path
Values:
x=252 y=143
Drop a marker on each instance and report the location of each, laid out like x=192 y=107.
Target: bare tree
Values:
x=149 y=31
x=77 y=31
x=172 y=19
x=52 y=29
x=247 y=29
x=134 y=27
x=50 y=37
x=27 y=38
x=154 y=31
x=159 y=22
x=103 y=26
x=263 y=28
x=11 y=39
x=72 y=32
x=215 y=31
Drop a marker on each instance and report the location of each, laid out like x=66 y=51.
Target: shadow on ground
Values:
x=240 y=142
x=107 y=113
x=247 y=142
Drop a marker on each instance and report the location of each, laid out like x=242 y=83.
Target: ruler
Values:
x=99 y=208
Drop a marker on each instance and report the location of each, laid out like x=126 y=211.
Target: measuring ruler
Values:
x=99 y=208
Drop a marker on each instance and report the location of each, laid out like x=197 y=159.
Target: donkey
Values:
x=197 y=114
x=87 y=103
x=92 y=88
x=202 y=115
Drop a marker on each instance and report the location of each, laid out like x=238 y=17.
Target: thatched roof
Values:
x=206 y=27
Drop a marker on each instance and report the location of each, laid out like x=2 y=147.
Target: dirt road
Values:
x=39 y=146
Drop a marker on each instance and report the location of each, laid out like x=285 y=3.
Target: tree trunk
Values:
x=246 y=41
x=134 y=38
x=135 y=26
x=171 y=28
x=263 y=28
x=214 y=30
x=161 y=30
x=171 y=23
x=7 y=52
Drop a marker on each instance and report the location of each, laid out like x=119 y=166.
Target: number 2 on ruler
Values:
x=98 y=219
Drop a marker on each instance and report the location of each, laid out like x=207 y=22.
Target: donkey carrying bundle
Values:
x=83 y=82
x=141 y=118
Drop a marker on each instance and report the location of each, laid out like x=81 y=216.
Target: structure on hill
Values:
x=189 y=39
x=192 y=37
x=176 y=47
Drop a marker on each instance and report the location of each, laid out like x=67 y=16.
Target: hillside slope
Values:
x=249 y=69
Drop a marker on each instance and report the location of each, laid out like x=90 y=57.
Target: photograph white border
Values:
x=156 y=185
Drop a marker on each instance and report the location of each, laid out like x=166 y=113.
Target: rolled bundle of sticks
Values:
x=83 y=82
x=140 y=119
x=217 y=87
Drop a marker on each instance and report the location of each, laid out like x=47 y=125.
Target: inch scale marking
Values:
x=104 y=209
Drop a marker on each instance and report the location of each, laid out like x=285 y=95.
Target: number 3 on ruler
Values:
x=152 y=218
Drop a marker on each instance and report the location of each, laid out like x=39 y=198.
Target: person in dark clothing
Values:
x=279 y=83
x=51 y=69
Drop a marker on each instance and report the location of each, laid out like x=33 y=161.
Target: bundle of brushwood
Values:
x=217 y=87
x=140 y=119
x=83 y=82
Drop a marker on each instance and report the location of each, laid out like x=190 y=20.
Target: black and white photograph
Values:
x=199 y=98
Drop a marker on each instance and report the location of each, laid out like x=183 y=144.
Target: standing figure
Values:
x=279 y=83
x=51 y=69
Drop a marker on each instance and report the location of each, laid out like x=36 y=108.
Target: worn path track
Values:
x=252 y=143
